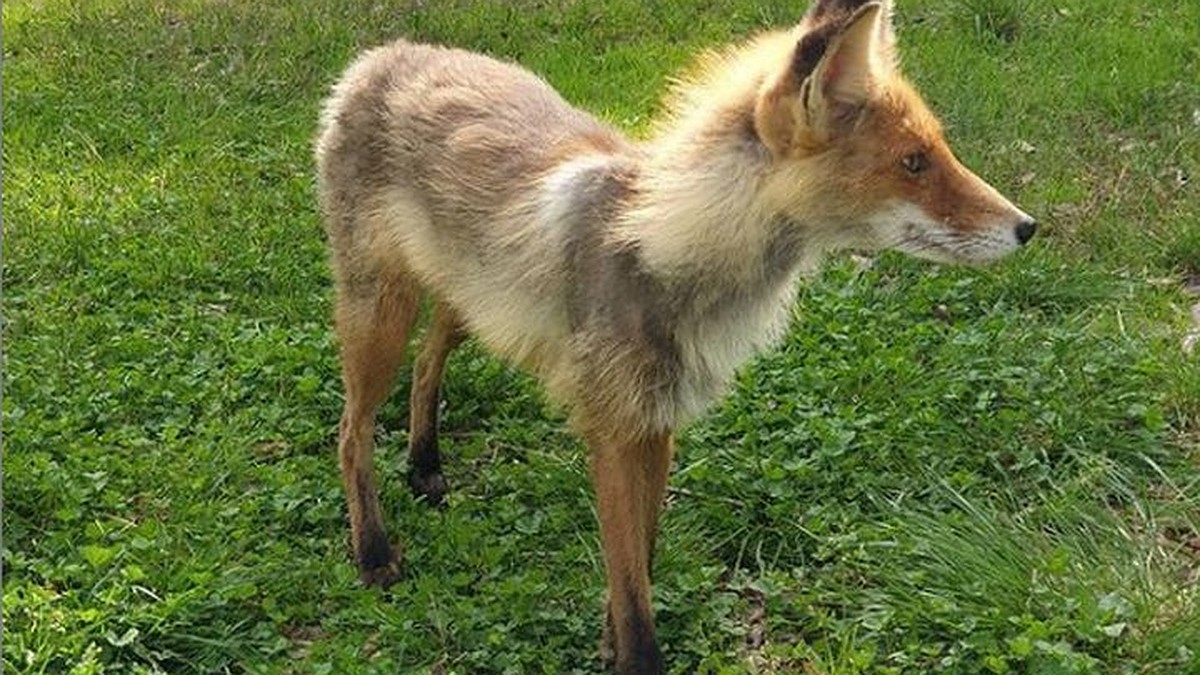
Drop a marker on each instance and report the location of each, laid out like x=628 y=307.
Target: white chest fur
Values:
x=715 y=343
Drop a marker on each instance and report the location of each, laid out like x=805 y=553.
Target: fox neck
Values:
x=725 y=263
x=700 y=217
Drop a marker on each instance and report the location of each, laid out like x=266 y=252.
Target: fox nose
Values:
x=1025 y=230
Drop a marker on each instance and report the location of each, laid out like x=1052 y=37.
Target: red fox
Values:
x=632 y=278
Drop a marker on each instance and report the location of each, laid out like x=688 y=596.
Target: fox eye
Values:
x=917 y=162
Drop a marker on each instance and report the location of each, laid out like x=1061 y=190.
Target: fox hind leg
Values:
x=373 y=320
x=425 y=463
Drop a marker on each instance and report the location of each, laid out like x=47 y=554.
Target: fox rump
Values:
x=632 y=278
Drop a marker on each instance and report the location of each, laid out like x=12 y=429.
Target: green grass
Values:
x=939 y=471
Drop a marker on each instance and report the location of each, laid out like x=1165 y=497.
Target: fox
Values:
x=632 y=278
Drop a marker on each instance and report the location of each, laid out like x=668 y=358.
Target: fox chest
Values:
x=714 y=344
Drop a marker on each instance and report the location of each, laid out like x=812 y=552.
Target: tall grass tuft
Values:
x=1074 y=584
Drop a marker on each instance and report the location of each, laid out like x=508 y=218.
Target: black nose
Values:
x=1025 y=230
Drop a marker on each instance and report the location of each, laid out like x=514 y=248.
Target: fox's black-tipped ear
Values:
x=850 y=71
x=837 y=13
x=842 y=57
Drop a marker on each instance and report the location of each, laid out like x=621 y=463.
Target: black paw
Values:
x=380 y=564
x=428 y=486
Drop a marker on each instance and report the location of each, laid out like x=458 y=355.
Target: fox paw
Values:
x=430 y=486
x=382 y=566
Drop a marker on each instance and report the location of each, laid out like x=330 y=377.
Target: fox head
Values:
x=841 y=122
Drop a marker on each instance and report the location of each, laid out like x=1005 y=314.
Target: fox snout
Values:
x=958 y=217
x=952 y=215
x=1012 y=225
x=981 y=244
x=976 y=232
x=1025 y=230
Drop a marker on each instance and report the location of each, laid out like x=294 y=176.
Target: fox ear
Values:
x=835 y=68
x=852 y=68
x=887 y=31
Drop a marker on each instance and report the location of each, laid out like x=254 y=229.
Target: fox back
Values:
x=433 y=159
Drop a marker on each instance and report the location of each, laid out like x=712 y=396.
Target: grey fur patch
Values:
x=620 y=316
x=784 y=251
